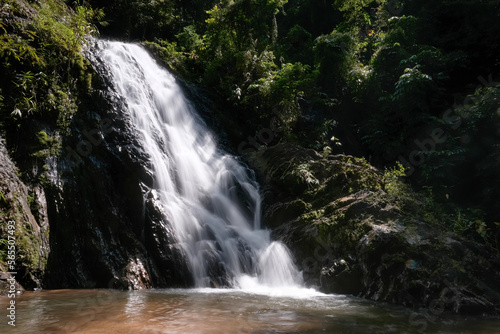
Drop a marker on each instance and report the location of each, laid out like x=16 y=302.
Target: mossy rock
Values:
x=356 y=230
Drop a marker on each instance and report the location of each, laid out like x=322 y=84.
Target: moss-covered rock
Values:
x=357 y=230
x=26 y=209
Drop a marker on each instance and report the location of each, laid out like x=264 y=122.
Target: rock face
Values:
x=108 y=228
x=26 y=207
x=95 y=222
x=355 y=230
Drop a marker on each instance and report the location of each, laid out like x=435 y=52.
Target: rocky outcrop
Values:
x=108 y=228
x=24 y=209
x=87 y=179
x=356 y=230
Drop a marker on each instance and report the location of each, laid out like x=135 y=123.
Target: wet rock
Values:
x=108 y=230
x=137 y=275
x=166 y=257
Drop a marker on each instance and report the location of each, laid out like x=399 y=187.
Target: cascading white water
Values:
x=212 y=202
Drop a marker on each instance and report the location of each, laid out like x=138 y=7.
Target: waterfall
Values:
x=211 y=199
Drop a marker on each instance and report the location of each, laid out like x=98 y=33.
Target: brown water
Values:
x=221 y=311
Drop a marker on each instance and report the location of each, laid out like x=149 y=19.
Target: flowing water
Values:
x=214 y=205
x=210 y=198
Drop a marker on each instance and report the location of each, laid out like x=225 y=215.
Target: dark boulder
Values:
x=356 y=230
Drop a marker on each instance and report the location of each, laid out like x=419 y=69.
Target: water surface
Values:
x=223 y=311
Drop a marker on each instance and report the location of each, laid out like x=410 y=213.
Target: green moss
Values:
x=168 y=53
x=46 y=145
x=3 y=201
x=43 y=138
x=311 y=217
x=29 y=247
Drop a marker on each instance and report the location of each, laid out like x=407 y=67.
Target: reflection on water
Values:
x=221 y=311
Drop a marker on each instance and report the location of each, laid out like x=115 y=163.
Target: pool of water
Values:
x=223 y=311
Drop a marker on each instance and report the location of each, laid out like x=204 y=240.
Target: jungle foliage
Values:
x=43 y=73
x=403 y=81
x=392 y=80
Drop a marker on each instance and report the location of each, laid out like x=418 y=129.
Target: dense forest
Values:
x=409 y=87
x=406 y=82
x=396 y=82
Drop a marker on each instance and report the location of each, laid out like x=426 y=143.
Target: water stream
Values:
x=210 y=198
